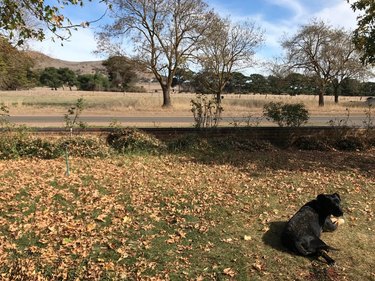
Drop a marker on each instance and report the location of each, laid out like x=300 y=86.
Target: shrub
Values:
x=15 y=145
x=286 y=115
x=84 y=147
x=206 y=112
x=186 y=143
x=133 y=140
x=311 y=143
x=349 y=144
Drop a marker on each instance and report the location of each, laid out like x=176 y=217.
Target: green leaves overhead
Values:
x=364 y=35
x=25 y=19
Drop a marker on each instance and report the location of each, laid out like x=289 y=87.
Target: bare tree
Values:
x=346 y=60
x=164 y=32
x=324 y=52
x=227 y=47
x=310 y=50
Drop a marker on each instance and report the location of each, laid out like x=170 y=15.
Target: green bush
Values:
x=125 y=140
x=84 y=146
x=13 y=145
x=286 y=115
x=184 y=143
x=349 y=144
x=198 y=143
x=311 y=143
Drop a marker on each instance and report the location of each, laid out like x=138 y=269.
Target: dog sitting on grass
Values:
x=303 y=230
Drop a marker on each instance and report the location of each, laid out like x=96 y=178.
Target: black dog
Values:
x=302 y=232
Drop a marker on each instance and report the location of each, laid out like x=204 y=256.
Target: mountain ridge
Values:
x=82 y=67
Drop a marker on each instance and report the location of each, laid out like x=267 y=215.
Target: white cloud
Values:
x=295 y=6
x=339 y=15
x=79 y=47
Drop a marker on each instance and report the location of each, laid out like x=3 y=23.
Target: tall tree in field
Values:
x=322 y=52
x=345 y=60
x=309 y=50
x=120 y=71
x=24 y=19
x=364 y=35
x=164 y=32
x=227 y=47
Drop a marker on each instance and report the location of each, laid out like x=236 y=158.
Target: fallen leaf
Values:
x=91 y=227
x=229 y=271
x=126 y=220
x=247 y=238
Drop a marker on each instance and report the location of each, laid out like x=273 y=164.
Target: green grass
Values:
x=214 y=216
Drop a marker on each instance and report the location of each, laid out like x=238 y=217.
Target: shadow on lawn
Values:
x=273 y=236
x=294 y=160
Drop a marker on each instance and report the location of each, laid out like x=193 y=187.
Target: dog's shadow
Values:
x=273 y=236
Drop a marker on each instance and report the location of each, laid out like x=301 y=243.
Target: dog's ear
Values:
x=321 y=197
x=337 y=195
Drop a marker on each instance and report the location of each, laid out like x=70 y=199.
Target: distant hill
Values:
x=85 y=67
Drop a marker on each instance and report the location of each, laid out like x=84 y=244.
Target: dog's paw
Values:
x=337 y=221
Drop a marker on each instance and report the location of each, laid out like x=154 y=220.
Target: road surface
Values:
x=163 y=121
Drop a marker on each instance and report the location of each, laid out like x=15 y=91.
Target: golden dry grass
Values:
x=44 y=101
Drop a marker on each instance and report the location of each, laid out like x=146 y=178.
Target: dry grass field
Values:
x=42 y=101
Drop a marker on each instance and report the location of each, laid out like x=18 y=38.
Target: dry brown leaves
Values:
x=103 y=219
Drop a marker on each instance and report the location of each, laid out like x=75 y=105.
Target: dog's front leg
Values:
x=329 y=225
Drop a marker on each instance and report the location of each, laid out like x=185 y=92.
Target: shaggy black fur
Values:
x=302 y=232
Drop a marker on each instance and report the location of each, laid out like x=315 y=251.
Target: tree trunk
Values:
x=218 y=98
x=166 y=97
x=321 y=98
x=337 y=91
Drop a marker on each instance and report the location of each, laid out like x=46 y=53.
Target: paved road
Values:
x=159 y=121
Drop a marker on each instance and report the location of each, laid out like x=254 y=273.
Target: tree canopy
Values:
x=364 y=35
x=227 y=47
x=323 y=52
x=15 y=67
x=25 y=19
x=164 y=34
x=120 y=72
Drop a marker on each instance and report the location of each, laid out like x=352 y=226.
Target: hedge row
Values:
x=123 y=141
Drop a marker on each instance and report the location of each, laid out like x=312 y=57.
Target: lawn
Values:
x=181 y=216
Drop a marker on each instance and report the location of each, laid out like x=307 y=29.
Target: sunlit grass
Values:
x=46 y=101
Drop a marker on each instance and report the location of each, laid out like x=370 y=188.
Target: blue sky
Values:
x=275 y=17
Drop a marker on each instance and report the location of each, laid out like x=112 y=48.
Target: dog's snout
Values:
x=338 y=212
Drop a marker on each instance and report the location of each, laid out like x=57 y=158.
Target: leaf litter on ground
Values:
x=167 y=217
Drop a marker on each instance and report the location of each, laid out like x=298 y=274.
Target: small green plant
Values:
x=368 y=122
x=341 y=123
x=286 y=115
x=72 y=118
x=206 y=111
x=4 y=115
